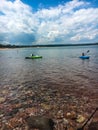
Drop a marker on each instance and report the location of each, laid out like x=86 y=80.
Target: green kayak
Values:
x=33 y=57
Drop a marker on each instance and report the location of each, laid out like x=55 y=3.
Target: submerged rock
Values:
x=2 y=99
x=80 y=119
x=71 y=115
x=39 y=122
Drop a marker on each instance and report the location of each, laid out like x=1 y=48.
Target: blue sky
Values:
x=29 y=22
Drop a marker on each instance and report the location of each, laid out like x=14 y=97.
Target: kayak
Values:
x=84 y=57
x=33 y=57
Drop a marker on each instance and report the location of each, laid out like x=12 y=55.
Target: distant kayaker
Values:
x=83 y=54
x=32 y=54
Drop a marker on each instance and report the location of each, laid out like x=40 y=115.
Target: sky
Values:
x=30 y=22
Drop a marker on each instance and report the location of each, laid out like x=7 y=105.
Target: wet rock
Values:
x=60 y=114
x=65 y=121
x=2 y=99
x=45 y=106
x=1 y=115
x=71 y=115
x=80 y=119
x=41 y=123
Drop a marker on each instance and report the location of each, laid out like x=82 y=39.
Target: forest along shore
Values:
x=67 y=109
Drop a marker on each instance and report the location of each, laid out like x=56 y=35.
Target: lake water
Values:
x=58 y=83
x=59 y=66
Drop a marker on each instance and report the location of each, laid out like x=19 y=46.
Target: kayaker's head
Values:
x=83 y=54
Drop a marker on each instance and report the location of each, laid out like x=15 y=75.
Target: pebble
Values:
x=2 y=99
x=80 y=119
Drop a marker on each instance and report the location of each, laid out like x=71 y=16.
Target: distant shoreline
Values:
x=49 y=45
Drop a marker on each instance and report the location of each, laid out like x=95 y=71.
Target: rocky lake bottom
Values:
x=69 y=109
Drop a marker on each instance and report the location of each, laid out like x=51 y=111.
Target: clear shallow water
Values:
x=60 y=66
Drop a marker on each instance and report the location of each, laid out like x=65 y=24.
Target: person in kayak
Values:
x=32 y=54
x=83 y=54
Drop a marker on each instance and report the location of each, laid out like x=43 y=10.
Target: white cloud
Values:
x=75 y=21
x=15 y=16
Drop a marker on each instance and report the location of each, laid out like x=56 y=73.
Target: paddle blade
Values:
x=88 y=51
